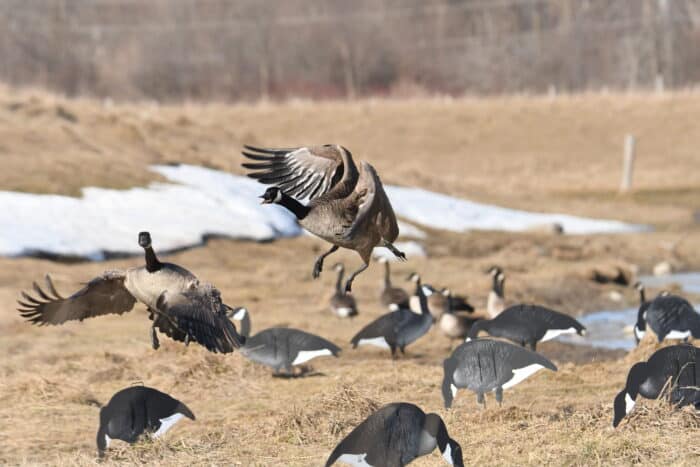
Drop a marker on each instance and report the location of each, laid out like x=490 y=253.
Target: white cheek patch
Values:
x=167 y=423
x=453 y=389
x=393 y=307
x=376 y=341
x=356 y=460
x=447 y=454
x=278 y=196
x=468 y=339
x=306 y=355
x=677 y=335
x=426 y=291
x=629 y=403
x=521 y=374
x=343 y=312
x=552 y=333
x=639 y=333
x=240 y=314
x=107 y=441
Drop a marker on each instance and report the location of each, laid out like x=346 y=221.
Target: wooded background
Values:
x=251 y=49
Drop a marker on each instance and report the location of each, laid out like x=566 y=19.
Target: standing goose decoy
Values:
x=640 y=327
x=453 y=323
x=394 y=436
x=281 y=348
x=528 y=324
x=179 y=305
x=346 y=207
x=437 y=302
x=679 y=364
x=137 y=410
x=496 y=302
x=397 y=328
x=670 y=317
x=487 y=365
x=343 y=305
x=390 y=294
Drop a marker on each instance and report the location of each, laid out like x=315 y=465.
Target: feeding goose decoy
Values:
x=342 y=304
x=398 y=328
x=134 y=411
x=675 y=368
x=347 y=207
x=670 y=317
x=485 y=365
x=281 y=348
x=394 y=436
x=391 y=294
x=179 y=305
x=528 y=324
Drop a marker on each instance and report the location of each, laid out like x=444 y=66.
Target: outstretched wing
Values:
x=200 y=315
x=103 y=295
x=299 y=172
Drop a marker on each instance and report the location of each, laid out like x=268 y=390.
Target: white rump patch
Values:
x=521 y=374
x=552 y=333
x=343 y=312
x=447 y=454
x=306 y=355
x=677 y=335
x=629 y=403
x=453 y=388
x=376 y=341
x=356 y=460
x=167 y=423
x=107 y=441
x=240 y=314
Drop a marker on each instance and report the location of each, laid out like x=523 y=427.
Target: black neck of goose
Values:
x=642 y=296
x=298 y=209
x=152 y=263
x=339 y=280
x=499 y=286
x=635 y=378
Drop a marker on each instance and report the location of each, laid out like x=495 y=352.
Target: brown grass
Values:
x=51 y=379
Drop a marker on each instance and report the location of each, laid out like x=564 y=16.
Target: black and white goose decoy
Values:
x=394 y=436
x=391 y=294
x=640 y=325
x=137 y=410
x=347 y=207
x=399 y=327
x=670 y=317
x=496 y=301
x=343 y=304
x=281 y=348
x=180 y=306
x=485 y=365
x=677 y=364
x=528 y=325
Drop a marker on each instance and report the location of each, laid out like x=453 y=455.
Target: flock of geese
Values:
x=348 y=207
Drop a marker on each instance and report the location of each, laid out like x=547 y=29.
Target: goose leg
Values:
x=499 y=395
x=318 y=265
x=393 y=352
x=398 y=253
x=154 y=337
x=348 y=283
x=480 y=399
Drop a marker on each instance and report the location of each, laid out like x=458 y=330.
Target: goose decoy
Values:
x=640 y=326
x=437 y=302
x=399 y=327
x=137 y=410
x=391 y=294
x=670 y=317
x=496 y=302
x=485 y=365
x=281 y=348
x=343 y=304
x=528 y=324
x=456 y=302
x=453 y=323
x=347 y=207
x=179 y=305
x=394 y=436
x=679 y=364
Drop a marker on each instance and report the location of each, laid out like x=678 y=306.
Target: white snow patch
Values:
x=410 y=248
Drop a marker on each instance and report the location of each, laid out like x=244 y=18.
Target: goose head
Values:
x=271 y=195
x=144 y=239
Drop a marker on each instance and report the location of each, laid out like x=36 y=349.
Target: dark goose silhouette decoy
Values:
x=528 y=324
x=391 y=294
x=281 y=348
x=342 y=304
x=485 y=365
x=347 y=207
x=394 y=436
x=670 y=317
x=399 y=327
x=179 y=305
x=137 y=410
x=676 y=366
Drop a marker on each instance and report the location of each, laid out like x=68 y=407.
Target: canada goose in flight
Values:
x=281 y=348
x=347 y=207
x=399 y=327
x=485 y=365
x=670 y=317
x=391 y=294
x=343 y=305
x=640 y=325
x=394 y=436
x=528 y=324
x=679 y=364
x=134 y=411
x=179 y=305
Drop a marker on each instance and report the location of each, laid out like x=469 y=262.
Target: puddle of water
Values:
x=688 y=281
x=606 y=329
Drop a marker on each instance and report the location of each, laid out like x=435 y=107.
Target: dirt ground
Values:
x=536 y=153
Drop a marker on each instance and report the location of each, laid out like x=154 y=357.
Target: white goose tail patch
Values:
x=167 y=423
x=376 y=341
x=355 y=460
x=520 y=374
x=552 y=333
x=629 y=403
x=447 y=454
x=306 y=355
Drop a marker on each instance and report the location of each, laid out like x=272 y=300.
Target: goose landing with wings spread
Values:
x=347 y=207
x=179 y=305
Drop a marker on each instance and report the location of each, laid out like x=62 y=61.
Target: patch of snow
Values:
x=411 y=249
x=410 y=231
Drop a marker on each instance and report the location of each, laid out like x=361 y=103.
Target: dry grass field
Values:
x=534 y=153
